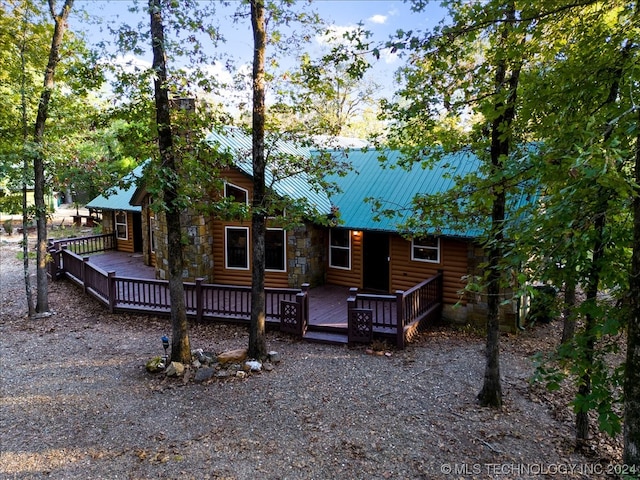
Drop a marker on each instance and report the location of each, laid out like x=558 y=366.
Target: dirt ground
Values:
x=77 y=403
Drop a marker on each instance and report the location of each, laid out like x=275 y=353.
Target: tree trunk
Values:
x=593 y=279
x=42 y=301
x=25 y=247
x=631 y=454
x=180 y=347
x=25 y=169
x=491 y=393
x=569 y=326
x=591 y=294
x=257 y=340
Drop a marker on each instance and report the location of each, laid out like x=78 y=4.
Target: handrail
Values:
x=402 y=311
x=202 y=300
x=85 y=245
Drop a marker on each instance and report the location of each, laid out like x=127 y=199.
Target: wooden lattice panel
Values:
x=290 y=317
x=360 y=325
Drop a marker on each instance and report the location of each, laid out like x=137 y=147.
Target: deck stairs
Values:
x=326 y=335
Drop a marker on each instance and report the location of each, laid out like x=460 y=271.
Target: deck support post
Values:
x=400 y=340
x=305 y=311
x=111 y=282
x=83 y=273
x=54 y=265
x=199 y=299
x=301 y=316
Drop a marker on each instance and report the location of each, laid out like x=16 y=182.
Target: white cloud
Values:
x=130 y=63
x=388 y=56
x=335 y=35
x=379 y=19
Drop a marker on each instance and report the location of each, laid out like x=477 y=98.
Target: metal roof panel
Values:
x=117 y=198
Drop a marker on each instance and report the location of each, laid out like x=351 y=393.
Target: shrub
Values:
x=11 y=204
x=8 y=226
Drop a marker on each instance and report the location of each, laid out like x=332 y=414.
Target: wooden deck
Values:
x=327 y=304
x=329 y=314
x=124 y=264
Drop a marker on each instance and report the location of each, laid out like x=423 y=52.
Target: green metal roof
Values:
x=297 y=186
x=117 y=198
x=394 y=186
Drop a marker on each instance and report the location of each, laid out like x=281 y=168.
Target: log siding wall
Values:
x=109 y=226
x=404 y=272
x=351 y=277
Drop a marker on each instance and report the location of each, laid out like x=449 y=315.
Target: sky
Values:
x=382 y=17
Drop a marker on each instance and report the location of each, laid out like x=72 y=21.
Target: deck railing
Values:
x=86 y=245
x=202 y=300
x=402 y=314
x=78 y=245
x=399 y=316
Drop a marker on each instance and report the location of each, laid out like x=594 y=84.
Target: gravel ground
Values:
x=77 y=402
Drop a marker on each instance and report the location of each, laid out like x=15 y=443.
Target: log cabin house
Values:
x=362 y=249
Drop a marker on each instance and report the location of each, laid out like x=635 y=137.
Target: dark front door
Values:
x=375 y=261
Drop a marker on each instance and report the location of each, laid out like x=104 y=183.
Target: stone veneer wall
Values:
x=474 y=310
x=197 y=252
x=306 y=256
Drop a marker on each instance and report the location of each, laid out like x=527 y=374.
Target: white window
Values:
x=237 y=247
x=425 y=249
x=238 y=194
x=275 y=248
x=340 y=249
x=122 y=231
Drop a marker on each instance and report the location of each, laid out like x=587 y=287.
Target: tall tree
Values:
x=329 y=100
x=632 y=366
x=578 y=120
x=583 y=119
x=60 y=21
x=460 y=93
x=25 y=159
x=180 y=346
x=257 y=340
x=507 y=77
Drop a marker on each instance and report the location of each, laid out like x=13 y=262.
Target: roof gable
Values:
x=298 y=186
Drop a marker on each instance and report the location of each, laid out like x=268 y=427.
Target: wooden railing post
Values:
x=111 y=281
x=302 y=319
x=199 y=299
x=54 y=265
x=351 y=303
x=305 y=313
x=62 y=249
x=400 y=318
x=83 y=273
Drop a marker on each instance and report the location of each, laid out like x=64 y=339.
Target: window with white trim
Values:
x=122 y=231
x=238 y=194
x=340 y=249
x=275 y=244
x=237 y=247
x=425 y=249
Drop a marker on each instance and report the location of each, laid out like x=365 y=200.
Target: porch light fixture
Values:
x=165 y=345
x=357 y=233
